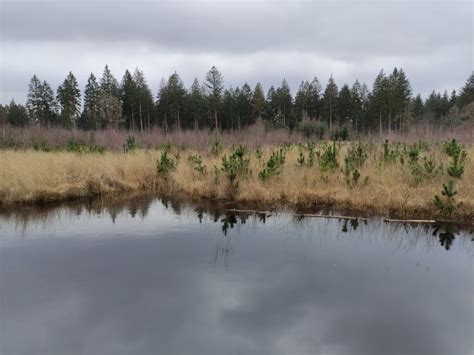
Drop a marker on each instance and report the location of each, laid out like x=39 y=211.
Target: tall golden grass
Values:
x=29 y=176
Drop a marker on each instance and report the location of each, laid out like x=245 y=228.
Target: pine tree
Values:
x=314 y=99
x=344 y=106
x=285 y=102
x=127 y=90
x=398 y=97
x=17 y=114
x=176 y=99
x=142 y=99
x=379 y=99
x=258 y=101
x=69 y=100
x=91 y=114
x=40 y=103
x=163 y=105
x=215 y=85
x=244 y=106
x=418 y=107
x=110 y=106
x=196 y=107
x=302 y=102
x=356 y=104
x=330 y=101
x=466 y=95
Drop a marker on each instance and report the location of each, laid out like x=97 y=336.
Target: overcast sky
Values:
x=250 y=41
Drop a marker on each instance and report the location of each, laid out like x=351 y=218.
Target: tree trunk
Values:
x=215 y=117
x=141 y=116
x=380 y=123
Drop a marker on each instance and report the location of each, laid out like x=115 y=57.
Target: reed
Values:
x=396 y=179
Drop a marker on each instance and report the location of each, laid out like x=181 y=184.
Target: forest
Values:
x=389 y=106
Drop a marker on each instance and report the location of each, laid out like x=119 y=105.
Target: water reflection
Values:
x=150 y=277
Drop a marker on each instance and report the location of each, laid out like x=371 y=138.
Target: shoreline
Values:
x=271 y=178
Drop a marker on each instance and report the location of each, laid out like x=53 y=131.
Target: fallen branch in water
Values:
x=298 y=214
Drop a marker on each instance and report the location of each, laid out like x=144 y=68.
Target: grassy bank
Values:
x=394 y=179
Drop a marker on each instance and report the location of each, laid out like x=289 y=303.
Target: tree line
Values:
x=390 y=105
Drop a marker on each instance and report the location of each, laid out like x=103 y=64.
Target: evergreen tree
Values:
x=344 y=106
x=3 y=115
x=453 y=98
x=285 y=103
x=110 y=106
x=302 y=102
x=356 y=104
x=258 y=101
x=398 y=97
x=91 y=114
x=215 y=84
x=314 y=99
x=229 y=108
x=330 y=97
x=17 y=114
x=142 y=100
x=196 y=107
x=418 y=107
x=40 y=103
x=163 y=105
x=127 y=92
x=466 y=96
x=176 y=99
x=244 y=104
x=379 y=99
x=69 y=100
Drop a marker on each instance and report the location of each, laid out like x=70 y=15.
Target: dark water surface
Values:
x=143 y=278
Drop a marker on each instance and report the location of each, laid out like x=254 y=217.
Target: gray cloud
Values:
x=254 y=41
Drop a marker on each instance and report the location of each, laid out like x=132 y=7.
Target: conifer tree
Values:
x=196 y=105
x=330 y=101
x=40 y=103
x=69 y=100
x=379 y=102
x=215 y=85
x=142 y=99
x=127 y=90
x=110 y=106
x=91 y=114
x=466 y=95
x=344 y=105
x=258 y=101
x=176 y=99
x=16 y=114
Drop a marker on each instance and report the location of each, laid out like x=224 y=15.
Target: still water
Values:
x=152 y=277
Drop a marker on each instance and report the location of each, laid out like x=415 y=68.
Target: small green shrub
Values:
x=274 y=165
x=351 y=175
x=313 y=128
x=166 y=164
x=130 y=144
x=341 y=134
x=458 y=158
x=446 y=204
x=301 y=159
x=216 y=148
x=328 y=157
x=357 y=156
x=389 y=156
x=236 y=165
x=197 y=164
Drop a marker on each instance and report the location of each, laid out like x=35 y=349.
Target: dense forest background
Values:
x=390 y=105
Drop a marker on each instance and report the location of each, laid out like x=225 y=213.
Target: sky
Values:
x=254 y=41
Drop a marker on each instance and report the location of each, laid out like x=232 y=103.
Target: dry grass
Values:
x=29 y=176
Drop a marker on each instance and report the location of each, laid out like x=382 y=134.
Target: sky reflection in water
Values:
x=143 y=278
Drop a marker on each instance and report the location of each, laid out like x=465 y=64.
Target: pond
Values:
x=149 y=276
